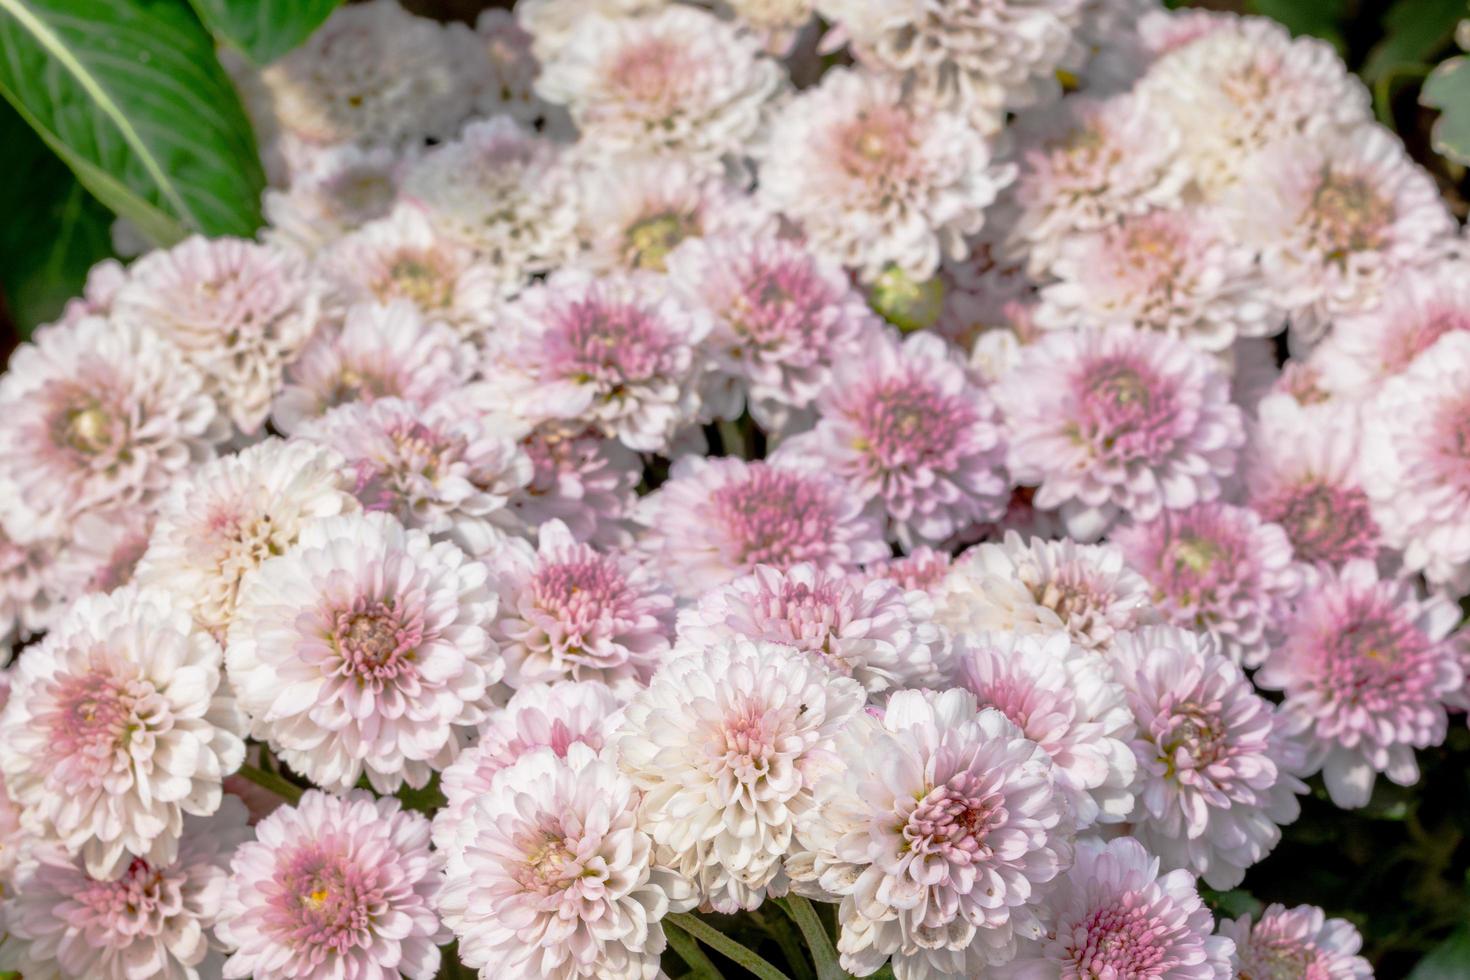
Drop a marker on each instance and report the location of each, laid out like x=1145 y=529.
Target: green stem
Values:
x=1383 y=89
x=279 y=785
x=731 y=437
x=778 y=927
x=690 y=953
x=823 y=952
x=724 y=945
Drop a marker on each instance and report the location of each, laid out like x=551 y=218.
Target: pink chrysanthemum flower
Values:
x=1063 y=698
x=28 y=601
x=449 y=468
x=338 y=191
x=378 y=352
x=119 y=724
x=567 y=611
x=98 y=291
x=154 y=920
x=1112 y=422
x=239 y=311
x=1335 y=219
x=716 y=519
x=581 y=478
x=676 y=82
x=873 y=179
x=404 y=258
x=782 y=318
x=636 y=212
x=1416 y=463
x=550 y=875
x=923 y=569
x=98 y=414
x=618 y=352
x=1366 y=668
x=1085 y=163
x=1299 y=941
x=335 y=887
x=1217 y=569
x=1214 y=771
x=555 y=716
x=236 y=512
x=364 y=649
x=726 y=744
x=903 y=424
x=974 y=57
x=907 y=832
x=872 y=631
x=103 y=554
x=1177 y=272
x=1035 y=586
x=1116 y=916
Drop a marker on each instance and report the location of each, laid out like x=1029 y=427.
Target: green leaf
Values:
x=1415 y=32
x=54 y=230
x=264 y=29
x=1233 y=903
x=130 y=95
x=1450 y=960
x=1319 y=18
x=1448 y=90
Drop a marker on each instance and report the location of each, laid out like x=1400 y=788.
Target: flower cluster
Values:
x=639 y=476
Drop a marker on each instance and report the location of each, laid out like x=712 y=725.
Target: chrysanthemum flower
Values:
x=449 y=468
x=1110 y=422
x=98 y=291
x=1176 y=271
x=636 y=212
x=871 y=631
x=239 y=311
x=988 y=292
x=551 y=23
x=378 y=352
x=503 y=191
x=1217 y=569
x=1063 y=698
x=1335 y=219
x=716 y=519
x=510 y=88
x=778 y=23
x=782 y=318
x=376 y=74
x=969 y=56
x=28 y=601
x=581 y=478
x=551 y=876
x=555 y=716
x=154 y=920
x=939 y=831
x=876 y=180
x=678 y=82
x=1116 y=916
x=234 y=513
x=903 y=424
x=1036 y=586
x=1366 y=668
x=118 y=724
x=1214 y=779
x=403 y=257
x=103 y=553
x=567 y=611
x=334 y=887
x=618 y=352
x=923 y=569
x=338 y=191
x=1298 y=941
x=98 y=414
x=726 y=744
x=364 y=649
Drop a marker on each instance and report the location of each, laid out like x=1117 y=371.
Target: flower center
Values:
x=1349 y=215
x=953 y=820
x=98 y=717
x=1325 y=523
x=419 y=278
x=1121 y=941
x=611 y=345
x=1123 y=410
x=329 y=900
x=651 y=239
x=904 y=423
x=1189 y=737
x=1279 y=959
x=773 y=518
x=376 y=641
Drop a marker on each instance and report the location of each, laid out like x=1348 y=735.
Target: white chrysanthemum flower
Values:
x=448 y=468
x=778 y=23
x=103 y=553
x=939 y=830
x=876 y=180
x=234 y=513
x=1084 y=590
x=338 y=191
x=239 y=312
x=975 y=56
x=98 y=414
x=551 y=23
x=872 y=631
x=118 y=724
x=678 y=82
x=550 y=875
x=364 y=649
x=726 y=744
x=1064 y=699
